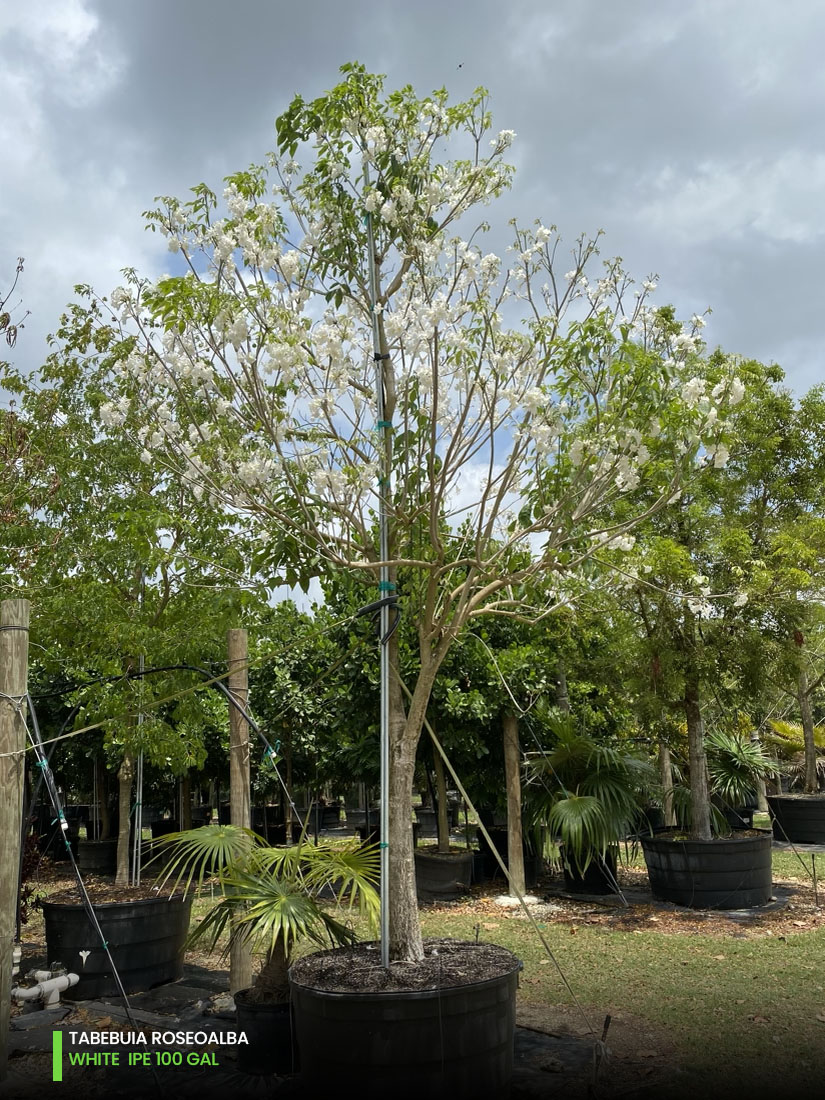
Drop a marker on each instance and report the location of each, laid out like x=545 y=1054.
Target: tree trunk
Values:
x=806 y=711
x=185 y=802
x=759 y=783
x=442 y=818
x=666 y=779
x=699 y=791
x=273 y=979
x=286 y=749
x=125 y=779
x=562 y=696
x=512 y=780
x=103 y=799
x=406 y=944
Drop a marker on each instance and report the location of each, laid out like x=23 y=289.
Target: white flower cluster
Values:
x=625 y=543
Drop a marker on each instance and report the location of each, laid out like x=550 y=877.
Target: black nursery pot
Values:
x=599 y=877
x=487 y=867
x=727 y=873
x=268 y=1028
x=146 y=939
x=455 y=1042
x=443 y=876
x=97 y=857
x=798 y=817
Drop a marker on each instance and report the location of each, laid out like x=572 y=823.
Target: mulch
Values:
x=446 y=963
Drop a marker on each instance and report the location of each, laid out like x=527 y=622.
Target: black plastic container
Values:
x=164 y=826
x=97 y=857
x=443 y=877
x=738 y=817
x=598 y=877
x=727 y=873
x=146 y=939
x=454 y=1042
x=427 y=820
x=268 y=1029
x=372 y=834
x=488 y=866
x=52 y=843
x=798 y=817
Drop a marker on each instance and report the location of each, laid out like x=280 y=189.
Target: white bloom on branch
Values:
x=692 y=391
x=720 y=456
x=741 y=600
x=700 y=607
x=684 y=342
x=737 y=391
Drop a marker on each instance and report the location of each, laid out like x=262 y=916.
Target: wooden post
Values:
x=512 y=779
x=240 y=956
x=14 y=656
x=442 y=812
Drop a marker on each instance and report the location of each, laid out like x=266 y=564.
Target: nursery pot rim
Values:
x=413 y=994
x=797 y=796
x=247 y=1003
x=112 y=904
x=672 y=834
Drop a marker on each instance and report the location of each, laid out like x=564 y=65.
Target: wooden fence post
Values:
x=14 y=655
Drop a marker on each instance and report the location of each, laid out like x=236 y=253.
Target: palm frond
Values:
x=198 y=854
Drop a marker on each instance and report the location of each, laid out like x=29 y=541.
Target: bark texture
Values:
x=443 y=821
x=699 y=788
x=666 y=779
x=512 y=779
x=807 y=713
x=125 y=781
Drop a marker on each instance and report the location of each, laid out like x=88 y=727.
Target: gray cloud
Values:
x=691 y=132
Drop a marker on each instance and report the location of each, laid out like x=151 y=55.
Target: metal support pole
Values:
x=240 y=953
x=385 y=588
x=137 y=824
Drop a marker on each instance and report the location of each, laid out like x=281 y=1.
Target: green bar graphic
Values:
x=57 y=1056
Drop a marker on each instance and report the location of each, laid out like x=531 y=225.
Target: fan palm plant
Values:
x=273 y=897
x=588 y=792
x=735 y=765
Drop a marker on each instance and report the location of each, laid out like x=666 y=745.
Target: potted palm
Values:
x=736 y=764
x=730 y=867
x=799 y=813
x=589 y=794
x=272 y=898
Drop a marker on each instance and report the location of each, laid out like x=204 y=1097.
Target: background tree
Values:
x=132 y=567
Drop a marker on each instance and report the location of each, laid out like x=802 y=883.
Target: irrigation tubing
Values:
x=54 y=796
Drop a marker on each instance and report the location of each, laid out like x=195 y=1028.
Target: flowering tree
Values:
x=721 y=583
x=516 y=402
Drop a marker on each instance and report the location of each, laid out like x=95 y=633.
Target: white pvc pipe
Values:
x=48 y=988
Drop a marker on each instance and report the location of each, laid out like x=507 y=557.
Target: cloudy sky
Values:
x=690 y=131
